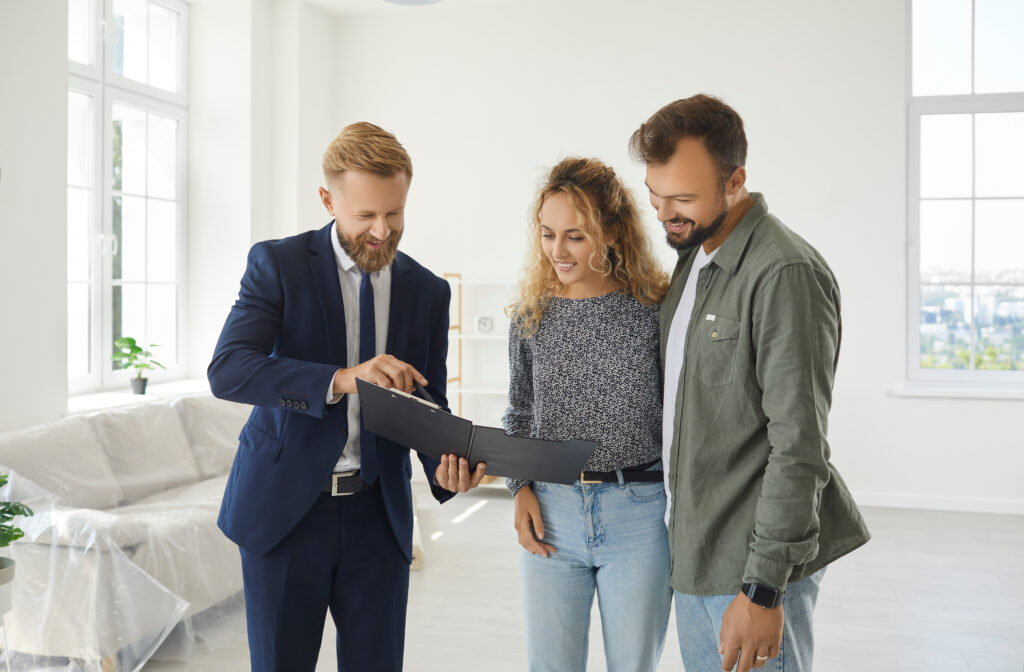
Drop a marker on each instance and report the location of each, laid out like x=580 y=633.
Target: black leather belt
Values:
x=637 y=474
x=346 y=483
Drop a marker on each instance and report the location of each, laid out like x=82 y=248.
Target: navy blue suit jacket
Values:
x=280 y=347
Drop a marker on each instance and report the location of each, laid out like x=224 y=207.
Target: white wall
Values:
x=261 y=97
x=485 y=98
x=222 y=116
x=33 y=183
x=319 y=121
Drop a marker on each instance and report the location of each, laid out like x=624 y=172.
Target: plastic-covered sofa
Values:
x=123 y=560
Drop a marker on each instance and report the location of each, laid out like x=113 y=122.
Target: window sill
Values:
x=83 y=403
x=913 y=389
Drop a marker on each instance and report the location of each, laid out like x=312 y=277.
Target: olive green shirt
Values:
x=754 y=496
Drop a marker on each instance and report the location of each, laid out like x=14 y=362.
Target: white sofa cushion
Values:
x=125 y=526
x=147 y=448
x=186 y=551
x=65 y=458
x=212 y=426
x=86 y=528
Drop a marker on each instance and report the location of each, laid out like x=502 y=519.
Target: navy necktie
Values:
x=367 y=350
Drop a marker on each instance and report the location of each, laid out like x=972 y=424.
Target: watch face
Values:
x=763 y=595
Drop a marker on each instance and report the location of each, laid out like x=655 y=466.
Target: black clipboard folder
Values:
x=424 y=427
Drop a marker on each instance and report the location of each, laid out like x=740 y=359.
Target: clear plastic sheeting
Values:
x=123 y=560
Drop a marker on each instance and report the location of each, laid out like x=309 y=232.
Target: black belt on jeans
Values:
x=637 y=474
x=346 y=483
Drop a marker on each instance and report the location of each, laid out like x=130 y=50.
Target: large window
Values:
x=966 y=192
x=127 y=110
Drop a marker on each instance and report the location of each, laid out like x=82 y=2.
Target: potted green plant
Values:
x=133 y=356
x=8 y=533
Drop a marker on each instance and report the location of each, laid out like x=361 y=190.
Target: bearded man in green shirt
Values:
x=750 y=333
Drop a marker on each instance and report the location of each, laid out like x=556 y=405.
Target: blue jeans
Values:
x=699 y=624
x=608 y=537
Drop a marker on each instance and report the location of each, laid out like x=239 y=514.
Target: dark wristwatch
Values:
x=763 y=596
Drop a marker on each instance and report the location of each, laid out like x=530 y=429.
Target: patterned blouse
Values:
x=591 y=371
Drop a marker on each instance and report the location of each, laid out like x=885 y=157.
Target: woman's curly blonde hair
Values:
x=608 y=216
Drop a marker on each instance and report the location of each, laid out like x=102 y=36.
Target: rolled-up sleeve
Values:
x=796 y=334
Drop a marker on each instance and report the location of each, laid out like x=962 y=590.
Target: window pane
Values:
x=130 y=39
x=80 y=31
x=998 y=47
x=163 y=47
x=79 y=233
x=999 y=241
x=162 y=322
x=163 y=241
x=129 y=229
x=129 y=150
x=163 y=152
x=946 y=156
x=79 y=333
x=128 y=314
x=80 y=156
x=1000 y=144
x=1000 y=319
x=941 y=47
x=945 y=241
x=945 y=327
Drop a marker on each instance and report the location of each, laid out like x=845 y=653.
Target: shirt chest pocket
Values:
x=714 y=351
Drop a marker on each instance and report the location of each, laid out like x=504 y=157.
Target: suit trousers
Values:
x=342 y=557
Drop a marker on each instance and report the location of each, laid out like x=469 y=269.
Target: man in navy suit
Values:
x=321 y=508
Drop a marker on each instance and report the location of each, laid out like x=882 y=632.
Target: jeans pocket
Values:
x=645 y=492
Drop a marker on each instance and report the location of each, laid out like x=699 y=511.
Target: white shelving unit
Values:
x=463 y=340
x=485 y=388
x=476 y=337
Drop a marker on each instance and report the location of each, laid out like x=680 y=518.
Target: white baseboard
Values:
x=933 y=503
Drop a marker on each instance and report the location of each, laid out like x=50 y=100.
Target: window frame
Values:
x=108 y=89
x=93 y=379
x=967 y=380
x=180 y=97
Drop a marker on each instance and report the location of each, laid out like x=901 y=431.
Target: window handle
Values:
x=112 y=248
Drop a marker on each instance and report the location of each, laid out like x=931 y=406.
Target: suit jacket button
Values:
x=282 y=402
x=303 y=405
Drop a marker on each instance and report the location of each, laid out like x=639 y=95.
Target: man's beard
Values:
x=698 y=233
x=367 y=259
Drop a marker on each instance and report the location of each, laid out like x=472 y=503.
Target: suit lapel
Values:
x=324 y=267
x=403 y=296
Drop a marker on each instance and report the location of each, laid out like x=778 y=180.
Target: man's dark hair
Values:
x=701 y=116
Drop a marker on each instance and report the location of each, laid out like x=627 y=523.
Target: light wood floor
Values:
x=932 y=591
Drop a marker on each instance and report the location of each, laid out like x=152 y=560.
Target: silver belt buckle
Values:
x=335 y=477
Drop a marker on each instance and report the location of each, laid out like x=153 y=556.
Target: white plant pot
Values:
x=6 y=584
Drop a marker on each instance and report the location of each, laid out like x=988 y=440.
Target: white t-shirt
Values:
x=675 y=354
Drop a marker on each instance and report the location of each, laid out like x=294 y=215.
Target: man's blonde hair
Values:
x=364 y=146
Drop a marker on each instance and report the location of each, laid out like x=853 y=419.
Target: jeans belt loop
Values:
x=618 y=473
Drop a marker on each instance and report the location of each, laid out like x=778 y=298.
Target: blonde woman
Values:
x=584 y=365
